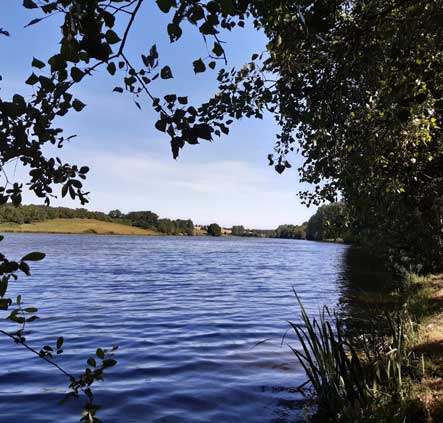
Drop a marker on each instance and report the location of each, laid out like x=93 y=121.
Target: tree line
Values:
x=330 y=222
x=142 y=219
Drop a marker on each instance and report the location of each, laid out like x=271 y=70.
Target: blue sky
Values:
x=227 y=181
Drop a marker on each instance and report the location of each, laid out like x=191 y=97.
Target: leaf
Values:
x=78 y=105
x=109 y=362
x=5 y=303
x=60 y=341
x=31 y=310
x=183 y=100
x=112 y=68
x=165 y=5
x=33 y=22
x=218 y=49
x=34 y=256
x=100 y=353
x=280 y=168
x=24 y=267
x=111 y=37
x=174 y=31
x=29 y=4
x=166 y=73
x=3 y=286
x=199 y=66
x=84 y=169
x=91 y=362
x=33 y=79
x=170 y=98
x=118 y=90
x=161 y=125
x=77 y=74
x=65 y=190
x=203 y=131
x=36 y=63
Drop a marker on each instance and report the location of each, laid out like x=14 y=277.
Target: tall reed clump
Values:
x=364 y=378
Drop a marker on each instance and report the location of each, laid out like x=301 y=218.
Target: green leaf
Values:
x=33 y=79
x=109 y=362
x=112 y=68
x=77 y=74
x=111 y=37
x=5 y=303
x=60 y=341
x=174 y=31
x=78 y=105
x=65 y=190
x=33 y=22
x=34 y=256
x=161 y=125
x=165 y=5
x=218 y=49
x=199 y=66
x=29 y=4
x=91 y=362
x=36 y=63
x=166 y=73
x=100 y=353
x=24 y=267
x=203 y=131
x=3 y=286
x=31 y=310
x=170 y=98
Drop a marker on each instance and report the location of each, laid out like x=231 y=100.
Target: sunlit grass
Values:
x=76 y=226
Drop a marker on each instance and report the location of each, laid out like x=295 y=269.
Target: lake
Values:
x=199 y=322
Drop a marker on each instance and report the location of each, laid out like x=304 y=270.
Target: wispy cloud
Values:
x=226 y=191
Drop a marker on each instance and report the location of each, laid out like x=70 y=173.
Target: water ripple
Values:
x=189 y=315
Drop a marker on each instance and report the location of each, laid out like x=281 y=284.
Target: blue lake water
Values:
x=188 y=314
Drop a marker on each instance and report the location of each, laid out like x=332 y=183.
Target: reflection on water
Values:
x=189 y=315
x=365 y=290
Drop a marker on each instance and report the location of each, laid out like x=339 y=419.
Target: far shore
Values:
x=77 y=226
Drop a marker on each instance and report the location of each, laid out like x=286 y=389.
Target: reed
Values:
x=353 y=378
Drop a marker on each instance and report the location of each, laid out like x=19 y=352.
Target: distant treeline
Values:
x=330 y=222
x=33 y=213
x=141 y=219
x=150 y=220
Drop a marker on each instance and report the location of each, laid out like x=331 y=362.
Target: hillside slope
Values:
x=76 y=226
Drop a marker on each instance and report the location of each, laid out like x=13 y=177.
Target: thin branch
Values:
x=144 y=87
x=53 y=363
x=128 y=27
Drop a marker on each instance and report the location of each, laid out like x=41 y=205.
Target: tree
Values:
x=238 y=230
x=115 y=214
x=214 y=229
x=330 y=222
x=290 y=232
x=143 y=219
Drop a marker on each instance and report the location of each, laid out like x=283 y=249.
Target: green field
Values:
x=76 y=226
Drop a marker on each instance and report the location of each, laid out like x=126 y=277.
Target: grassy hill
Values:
x=76 y=226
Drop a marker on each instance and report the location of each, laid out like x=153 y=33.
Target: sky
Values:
x=227 y=181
